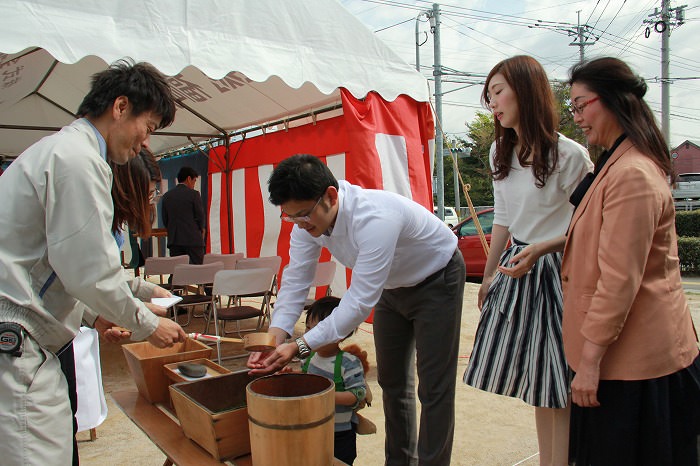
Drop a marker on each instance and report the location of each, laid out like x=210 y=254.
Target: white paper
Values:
x=92 y=406
x=166 y=302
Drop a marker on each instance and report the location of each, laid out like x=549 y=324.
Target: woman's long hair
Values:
x=622 y=91
x=538 y=119
x=131 y=193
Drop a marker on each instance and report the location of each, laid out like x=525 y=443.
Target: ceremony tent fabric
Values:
x=375 y=144
x=256 y=81
x=233 y=63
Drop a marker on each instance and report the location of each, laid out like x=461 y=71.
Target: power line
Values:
x=614 y=17
x=394 y=25
x=482 y=15
x=592 y=11
x=624 y=38
x=601 y=14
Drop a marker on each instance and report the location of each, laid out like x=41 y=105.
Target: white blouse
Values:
x=534 y=214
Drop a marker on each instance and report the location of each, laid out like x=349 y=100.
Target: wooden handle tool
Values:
x=213 y=338
x=258 y=341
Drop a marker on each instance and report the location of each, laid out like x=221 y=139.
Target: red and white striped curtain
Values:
x=374 y=144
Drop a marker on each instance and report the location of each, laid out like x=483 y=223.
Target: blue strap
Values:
x=48 y=283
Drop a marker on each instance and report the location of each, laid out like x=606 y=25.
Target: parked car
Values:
x=451 y=218
x=687 y=186
x=469 y=243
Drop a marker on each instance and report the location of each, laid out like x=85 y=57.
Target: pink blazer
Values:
x=621 y=276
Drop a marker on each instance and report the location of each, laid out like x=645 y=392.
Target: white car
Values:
x=451 y=218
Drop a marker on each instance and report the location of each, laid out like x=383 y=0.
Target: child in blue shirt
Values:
x=346 y=371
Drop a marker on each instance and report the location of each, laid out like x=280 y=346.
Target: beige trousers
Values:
x=35 y=416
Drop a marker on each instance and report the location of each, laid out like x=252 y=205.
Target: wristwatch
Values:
x=304 y=350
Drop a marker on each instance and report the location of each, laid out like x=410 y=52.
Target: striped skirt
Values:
x=518 y=349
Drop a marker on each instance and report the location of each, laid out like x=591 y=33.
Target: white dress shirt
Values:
x=387 y=240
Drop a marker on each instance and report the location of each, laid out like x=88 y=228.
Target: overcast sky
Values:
x=475 y=35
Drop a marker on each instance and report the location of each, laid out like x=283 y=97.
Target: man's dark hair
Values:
x=301 y=177
x=186 y=172
x=146 y=88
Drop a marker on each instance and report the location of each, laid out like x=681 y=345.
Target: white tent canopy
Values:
x=233 y=63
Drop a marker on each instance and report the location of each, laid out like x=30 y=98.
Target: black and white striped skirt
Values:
x=518 y=349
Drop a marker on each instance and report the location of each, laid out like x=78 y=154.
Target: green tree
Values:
x=477 y=172
x=472 y=157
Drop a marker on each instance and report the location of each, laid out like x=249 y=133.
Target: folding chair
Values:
x=201 y=276
x=243 y=285
x=271 y=262
x=229 y=260
x=163 y=266
x=325 y=273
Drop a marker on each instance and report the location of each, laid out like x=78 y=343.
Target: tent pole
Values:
x=229 y=209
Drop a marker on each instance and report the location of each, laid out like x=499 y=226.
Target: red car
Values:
x=469 y=243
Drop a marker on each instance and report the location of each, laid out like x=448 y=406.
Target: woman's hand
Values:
x=109 y=332
x=522 y=262
x=584 y=387
x=483 y=290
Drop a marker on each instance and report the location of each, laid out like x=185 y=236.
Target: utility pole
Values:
x=434 y=17
x=418 y=42
x=663 y=24
x=580 y=33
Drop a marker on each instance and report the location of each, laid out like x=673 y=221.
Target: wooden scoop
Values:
x=259 y=341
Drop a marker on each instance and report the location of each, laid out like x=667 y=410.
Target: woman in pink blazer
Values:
x=628 y=334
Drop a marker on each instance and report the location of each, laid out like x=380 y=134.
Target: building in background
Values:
x=686 y=158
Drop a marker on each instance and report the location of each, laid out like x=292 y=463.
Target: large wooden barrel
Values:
x=291 y=419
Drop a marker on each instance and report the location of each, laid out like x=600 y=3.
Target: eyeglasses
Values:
x=154 y=195
x=301 y=218
x=574 y=108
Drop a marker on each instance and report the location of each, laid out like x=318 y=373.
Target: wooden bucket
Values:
x=212 y=412
x=291 y=418
x=146 y=365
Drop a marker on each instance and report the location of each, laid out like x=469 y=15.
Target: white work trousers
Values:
x=35 y=416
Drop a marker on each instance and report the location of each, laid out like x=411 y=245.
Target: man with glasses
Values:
x=183 y=215
x=406 y=265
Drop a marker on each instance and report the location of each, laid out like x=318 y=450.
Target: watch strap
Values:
x=303 y=349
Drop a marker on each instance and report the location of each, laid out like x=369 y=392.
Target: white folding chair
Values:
x=270 y=262
x=201 y=276
x=323 y=276
x=163 y=266
x=325 y=273
x=243 y=285
x=229 y=260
